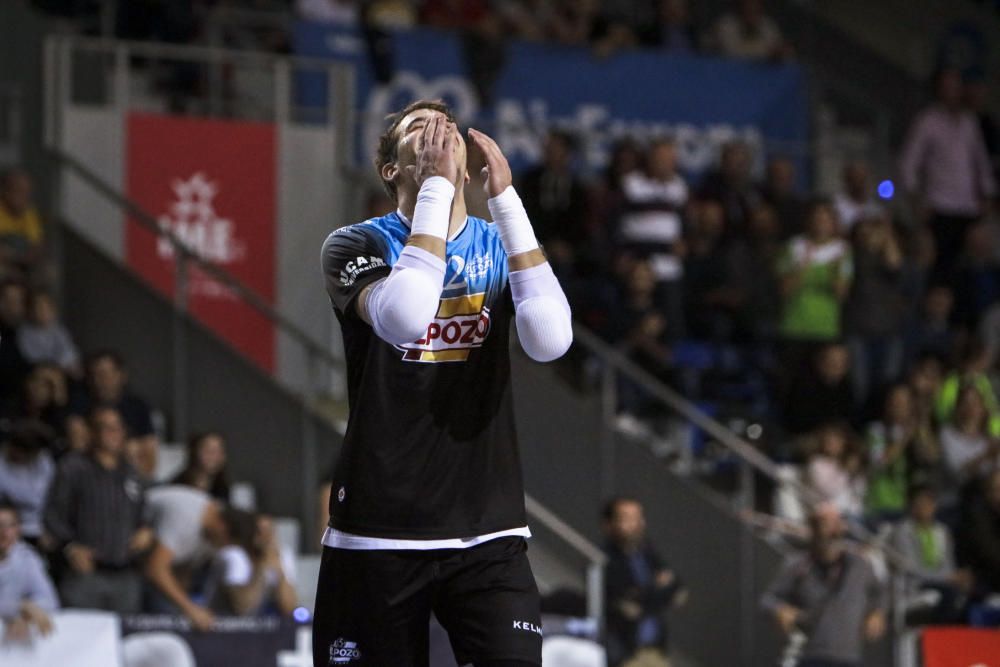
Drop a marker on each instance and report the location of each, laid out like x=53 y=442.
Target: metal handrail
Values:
x=216 y=272
x=738 y=446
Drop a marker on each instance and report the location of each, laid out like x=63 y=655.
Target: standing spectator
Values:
x=979 y=534
x=26 y=471
x=928 y=544
x=830 y=595
x=43 y=338
x=206 y=465
x=94 y=513
x=875 y=309
x=749 y=34
x=606 y=198
x=189 y=529
x=757 y=255
x=27 y=596
x=945 y=167
x=21 y=233
x=779 y=191
x=732 y=185
x=977 y=276
x=816 y=271
x=554 y=199
x=252 y=575
x=833 y=469
x=857 y=200
x=13 y=366
x=969 y=450
x=900 y=451
x=639 y=587
x=712 y=283
x=821 y=391
x=652 y=224
x=107 y=386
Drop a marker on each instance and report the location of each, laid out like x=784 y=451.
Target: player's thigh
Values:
x=372 y=609
x=490 y=606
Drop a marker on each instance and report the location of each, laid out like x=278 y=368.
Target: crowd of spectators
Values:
x=88 y=518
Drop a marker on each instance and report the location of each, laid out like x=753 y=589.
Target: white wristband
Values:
x=432 y=214
x=512 y=222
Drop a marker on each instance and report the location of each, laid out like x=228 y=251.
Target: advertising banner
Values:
x=702 y=102
x=961 y=647
x=213 y=184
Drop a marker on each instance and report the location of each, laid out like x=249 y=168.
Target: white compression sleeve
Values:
x=401 y=306
x=512 y=222
x=542 y=313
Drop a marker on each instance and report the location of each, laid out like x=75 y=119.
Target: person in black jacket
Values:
x=639 y=587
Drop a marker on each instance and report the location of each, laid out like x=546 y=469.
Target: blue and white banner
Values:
x=702 y=102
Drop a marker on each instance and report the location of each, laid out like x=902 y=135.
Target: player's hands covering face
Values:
x=436 y=151
x=496 y=174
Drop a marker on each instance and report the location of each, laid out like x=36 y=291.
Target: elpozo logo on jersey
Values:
x=461 y=325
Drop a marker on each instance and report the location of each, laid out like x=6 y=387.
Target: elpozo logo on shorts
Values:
x=342 y=652
x=461 y=325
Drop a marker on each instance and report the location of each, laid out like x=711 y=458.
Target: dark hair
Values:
x=241 y=526
x=388 y=143
x=563 y=136
x=92 y=418
x=920 y=489
x=610 y=509
x=7 y=506
x=7 y=284
x=110 y=355
x=219 y=486
x=30 y=435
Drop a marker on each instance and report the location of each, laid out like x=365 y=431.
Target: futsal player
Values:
x=427 y=503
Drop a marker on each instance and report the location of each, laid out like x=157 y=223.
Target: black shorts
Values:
x=373 y=608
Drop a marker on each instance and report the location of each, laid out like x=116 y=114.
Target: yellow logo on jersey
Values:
x=461 y=324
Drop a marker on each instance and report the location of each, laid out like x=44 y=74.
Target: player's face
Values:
x=410 y=130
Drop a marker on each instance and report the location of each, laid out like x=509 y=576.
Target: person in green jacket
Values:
x=973 y=370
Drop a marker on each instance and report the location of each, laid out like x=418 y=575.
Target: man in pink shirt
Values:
x=945 y=165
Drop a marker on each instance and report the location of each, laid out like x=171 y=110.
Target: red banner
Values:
x=213 y=184
x=961 y=647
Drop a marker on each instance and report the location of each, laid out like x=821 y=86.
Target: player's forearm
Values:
x=516 y=233
x=432 y=216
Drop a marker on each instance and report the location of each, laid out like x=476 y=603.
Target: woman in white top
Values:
x=969 y=450
x=834 y=469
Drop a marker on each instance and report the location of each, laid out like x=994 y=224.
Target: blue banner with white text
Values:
x=702 y=102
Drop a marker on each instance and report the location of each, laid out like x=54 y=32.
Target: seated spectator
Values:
x=857 y=199
x=554 y=199
x=749 y=34
x=829 y=596
x=107 y=385
x=675 y=33
x=979 y=535
x=969 y=450
x=21 y=233
x=252 y=576
x=94 y=514
x=875 y=309
x=816 y=272
x=933 y=332
x=624 y=24
x=977 y=277
x=26 y=471
x=639 y=587
x=606 y=199
x=821 y=392
x=833 y=469
x=206 y=465
x=779 y=191
x=900 y=451
x=189 y=530
x=652 y=224
x=13 y=365
x=560 y=21
x=43 y=399
x=43 y=338
x=713 y=293
x=927 y=544
x=732 y=186
x=27 y=596
x=973 y=370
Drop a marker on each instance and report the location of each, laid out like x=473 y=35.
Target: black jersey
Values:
x=430 y=450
